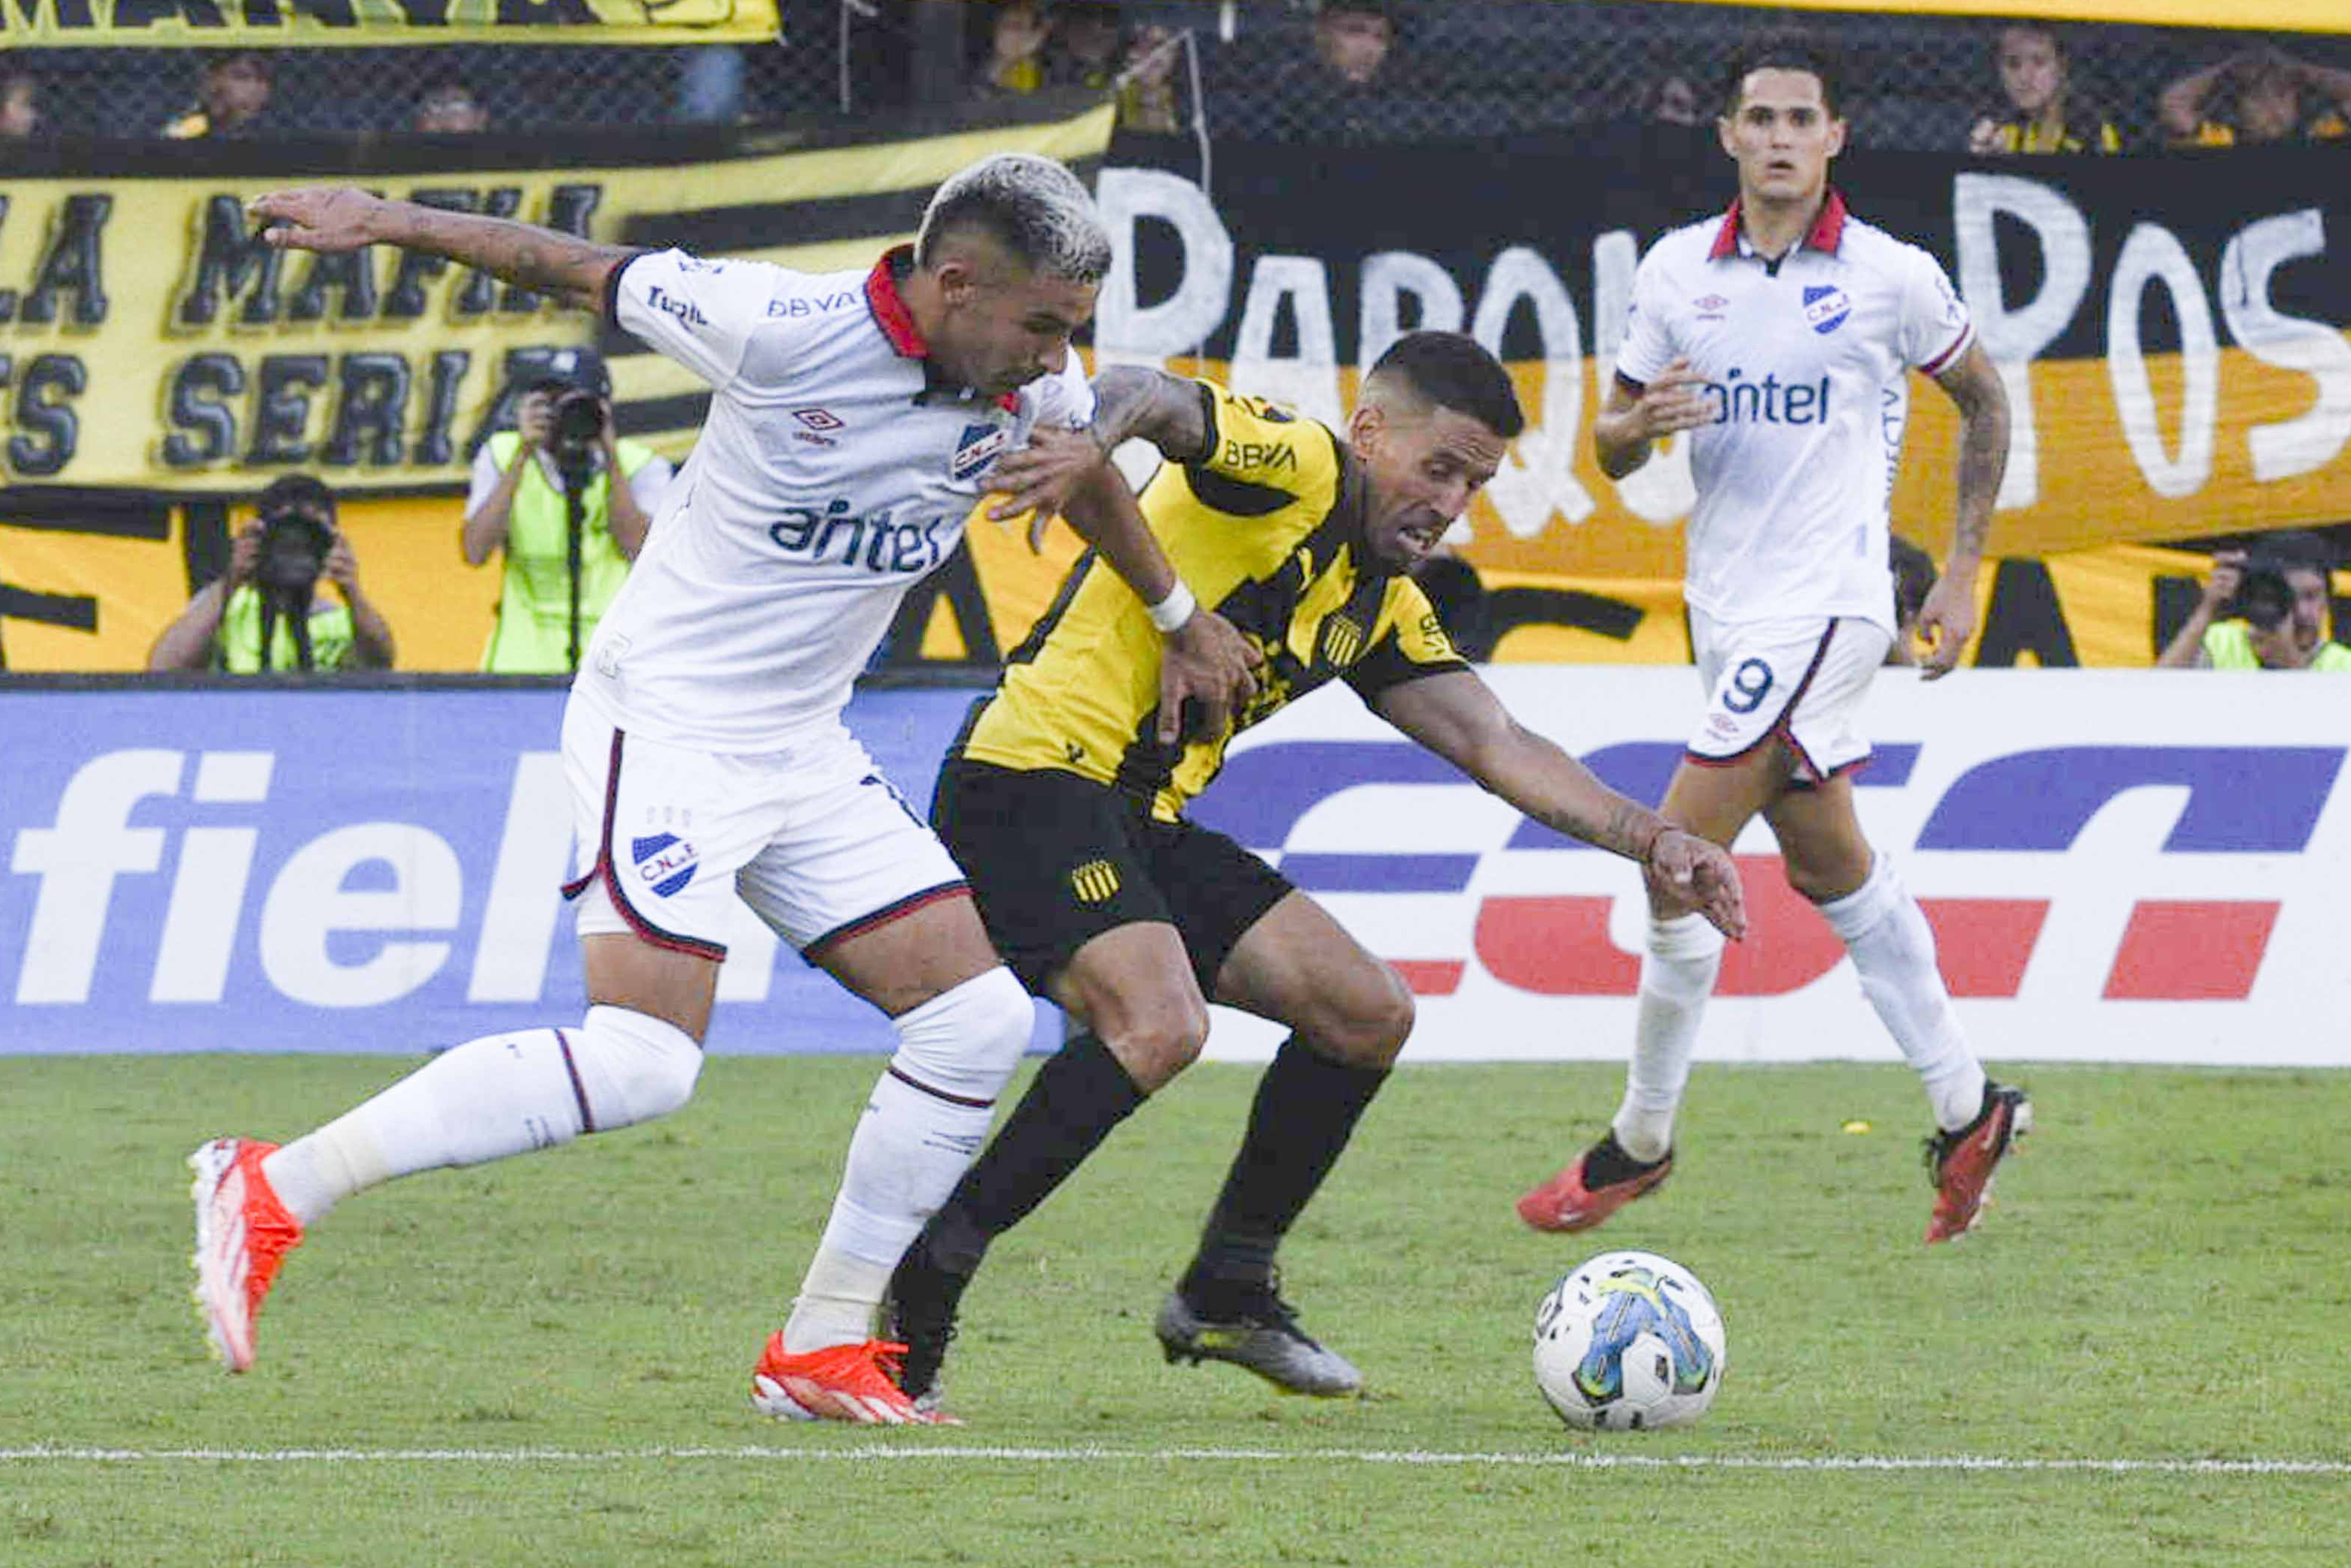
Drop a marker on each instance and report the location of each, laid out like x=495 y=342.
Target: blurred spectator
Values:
x=519 y=502
x=710 y=85
x=2260 y=95
x=1090 y=49
x=446 y=104
x=265 y=614
x=1674 y=100
x=1914 y=578
x=20 y=106
x=2039 y=113
x=231 y=98
x=1342 y=92
x=2269 y=609
x=1017 y=32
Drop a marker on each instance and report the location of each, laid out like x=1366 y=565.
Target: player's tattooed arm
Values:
x=572 y=270
x=1169 y=411
x=1974 y=384
x=1947 y=619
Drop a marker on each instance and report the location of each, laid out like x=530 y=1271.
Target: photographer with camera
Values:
x=265 y=614
x=544 y=491
x=2267 y=611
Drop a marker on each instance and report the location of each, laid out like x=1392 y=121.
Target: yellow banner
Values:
x=2301 y=15
x=155 y=344
x=341 y=24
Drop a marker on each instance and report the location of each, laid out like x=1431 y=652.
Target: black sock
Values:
x=1076 y=1098
x=1306 y=1109
x=1606 y=1164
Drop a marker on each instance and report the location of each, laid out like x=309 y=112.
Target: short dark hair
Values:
x=221 y=59
x=297 y=490
x=2049 y=30
x=1786 y=52
x=1454 y=370
x=2295 y=548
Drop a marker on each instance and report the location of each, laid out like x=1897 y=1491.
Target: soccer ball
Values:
x=1628 y=1342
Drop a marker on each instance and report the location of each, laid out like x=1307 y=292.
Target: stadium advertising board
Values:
x=343 y=24
x=2121 y=866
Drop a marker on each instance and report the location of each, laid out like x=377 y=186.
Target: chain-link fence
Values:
x=1450 y=68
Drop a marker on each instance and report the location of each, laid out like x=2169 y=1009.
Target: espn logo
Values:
x=1094 y=881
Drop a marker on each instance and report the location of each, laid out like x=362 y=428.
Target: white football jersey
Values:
x=832 y=473
x=1806 y=363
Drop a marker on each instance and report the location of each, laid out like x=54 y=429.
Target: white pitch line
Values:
x=1090 y=1455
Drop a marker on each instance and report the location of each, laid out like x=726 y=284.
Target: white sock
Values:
x=502 y=1094
x=1893 y=949
x=925 y=1120
x=1677 y=977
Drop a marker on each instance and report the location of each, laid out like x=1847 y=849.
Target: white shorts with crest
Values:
x=814 y=839
x=1803 y=679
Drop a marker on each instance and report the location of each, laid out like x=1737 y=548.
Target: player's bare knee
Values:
x=1155 y=1043
x=1367 y=1023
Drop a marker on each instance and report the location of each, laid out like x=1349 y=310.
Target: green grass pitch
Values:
x=2138 y=1359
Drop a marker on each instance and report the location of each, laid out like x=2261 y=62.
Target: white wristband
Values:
x=1170 y=614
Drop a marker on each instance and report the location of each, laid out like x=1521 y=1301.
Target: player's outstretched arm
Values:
x=1947 y=620
x=573 y=270
x=1456 y=716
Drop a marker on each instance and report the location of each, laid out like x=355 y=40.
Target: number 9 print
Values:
x=1750 y=683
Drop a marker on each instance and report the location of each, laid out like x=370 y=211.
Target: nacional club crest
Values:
x=665 y=862
x=976 y=448
x=1826 y=308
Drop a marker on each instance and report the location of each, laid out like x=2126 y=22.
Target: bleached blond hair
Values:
x=1032 y=206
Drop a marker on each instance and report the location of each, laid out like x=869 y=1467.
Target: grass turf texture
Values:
x=555 y=1350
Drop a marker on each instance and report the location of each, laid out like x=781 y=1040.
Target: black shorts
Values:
x=1055 y=860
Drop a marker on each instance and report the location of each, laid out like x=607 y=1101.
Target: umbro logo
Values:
x=1711 y=308
x=824 y=420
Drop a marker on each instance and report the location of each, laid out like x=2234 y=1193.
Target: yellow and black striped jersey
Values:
x=1267 y=530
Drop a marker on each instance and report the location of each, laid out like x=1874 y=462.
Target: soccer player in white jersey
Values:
x=1778 y=337
x=854 y=420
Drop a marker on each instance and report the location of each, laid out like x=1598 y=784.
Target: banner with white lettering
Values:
x=2119 y=867
x=343 y=24
x=153 y=342
x=2171 y=327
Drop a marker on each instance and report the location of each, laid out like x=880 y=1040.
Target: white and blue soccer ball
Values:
x=1628 y=1342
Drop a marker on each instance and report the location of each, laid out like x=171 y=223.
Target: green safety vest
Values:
x=2229 y=645
x=535 y=593
x=237 y=647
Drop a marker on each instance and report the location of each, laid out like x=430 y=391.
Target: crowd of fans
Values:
x=1327 y=69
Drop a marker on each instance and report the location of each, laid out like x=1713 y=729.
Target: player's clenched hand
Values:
x=1944 y=623
x=315 y=218
x=1698 y=874
x=1207 y=662
x=1675 y=402
x=1040 y=477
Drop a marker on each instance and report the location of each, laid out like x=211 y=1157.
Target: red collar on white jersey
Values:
x=1825 y=235
x=897 y=323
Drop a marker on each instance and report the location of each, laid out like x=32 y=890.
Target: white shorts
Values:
x=814 y=840
x=1801 y=679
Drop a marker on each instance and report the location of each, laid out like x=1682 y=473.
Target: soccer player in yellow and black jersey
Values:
x=1063 y=800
